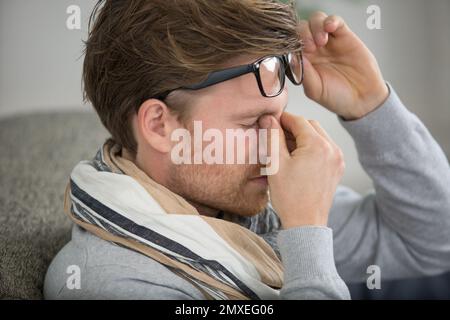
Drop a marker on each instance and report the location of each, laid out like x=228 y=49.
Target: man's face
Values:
x=234 y=188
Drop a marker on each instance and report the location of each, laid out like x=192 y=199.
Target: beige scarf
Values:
x=245 y=243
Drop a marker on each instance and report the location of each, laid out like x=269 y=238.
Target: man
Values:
x=151 y=227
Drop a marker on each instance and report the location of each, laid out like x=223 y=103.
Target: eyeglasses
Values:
x=270 y=73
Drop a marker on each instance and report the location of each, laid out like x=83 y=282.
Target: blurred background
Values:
x=41 y=60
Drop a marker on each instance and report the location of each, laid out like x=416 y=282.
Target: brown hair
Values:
x=138 y=49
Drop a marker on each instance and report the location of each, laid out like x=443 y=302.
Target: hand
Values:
x=302 y=190
x=341 y=73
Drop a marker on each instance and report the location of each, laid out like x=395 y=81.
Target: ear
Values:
x=155 y=124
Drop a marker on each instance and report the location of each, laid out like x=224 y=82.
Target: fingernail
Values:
x=265 y=122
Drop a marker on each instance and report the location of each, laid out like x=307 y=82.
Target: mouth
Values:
x=261 y=180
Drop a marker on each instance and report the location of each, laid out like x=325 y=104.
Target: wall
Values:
x=40 y=62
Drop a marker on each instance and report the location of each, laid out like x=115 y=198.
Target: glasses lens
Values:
x=272 y=75
x=295 y=65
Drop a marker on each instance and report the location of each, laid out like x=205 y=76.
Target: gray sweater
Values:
x=402 y=227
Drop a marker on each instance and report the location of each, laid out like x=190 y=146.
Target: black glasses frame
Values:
x=234 y=72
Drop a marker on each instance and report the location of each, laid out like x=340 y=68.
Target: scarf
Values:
x=113 y=199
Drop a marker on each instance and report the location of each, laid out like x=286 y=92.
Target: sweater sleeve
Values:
x=309 y=268
x=402 y=225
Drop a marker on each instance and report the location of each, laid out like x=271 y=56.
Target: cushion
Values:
x=37 y=154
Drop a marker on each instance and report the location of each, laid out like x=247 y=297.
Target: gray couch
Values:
x=37 y=153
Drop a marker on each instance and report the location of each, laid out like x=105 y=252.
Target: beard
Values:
x=222 y=187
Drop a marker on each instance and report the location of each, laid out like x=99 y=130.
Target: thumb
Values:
x=272 y=125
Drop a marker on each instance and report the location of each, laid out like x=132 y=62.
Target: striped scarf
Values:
x=229 y=257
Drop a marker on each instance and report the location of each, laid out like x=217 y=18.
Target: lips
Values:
x=260 y=179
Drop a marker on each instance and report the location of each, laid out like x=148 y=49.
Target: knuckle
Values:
x=335 y=17
x=323 y=146
x=329 y=149
x=314 y=122
x=300 y=120
x=340 y=162
x=339 y=154
x=342 y=167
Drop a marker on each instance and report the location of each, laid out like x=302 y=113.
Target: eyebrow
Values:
x=255 y=113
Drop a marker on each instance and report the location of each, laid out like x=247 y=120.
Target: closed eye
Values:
x=250 y=125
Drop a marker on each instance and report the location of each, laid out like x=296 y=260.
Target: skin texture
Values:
x=341 y=74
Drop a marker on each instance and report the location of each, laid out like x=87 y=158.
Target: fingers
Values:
x=315 y=32
x=330 y=146
x=306 y=36
x=302 y=129
x=299 y=127
x=269 y=122
x=322 y=132
x=334 y=25
x=316 y=24
x=300 y=132
x=319 y=129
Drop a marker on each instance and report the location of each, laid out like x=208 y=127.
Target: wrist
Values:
x=290 y=223
x=370 y=104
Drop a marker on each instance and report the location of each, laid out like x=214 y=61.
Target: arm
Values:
x=403 y=227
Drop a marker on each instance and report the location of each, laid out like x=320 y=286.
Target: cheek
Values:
x=229 y=176
x=247 y=87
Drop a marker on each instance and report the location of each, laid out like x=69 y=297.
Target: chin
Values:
x=252 y=206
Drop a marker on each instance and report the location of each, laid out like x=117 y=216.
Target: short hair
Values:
x=137 y=49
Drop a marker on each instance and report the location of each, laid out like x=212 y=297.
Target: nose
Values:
x=277 y=105
x=281 y=105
